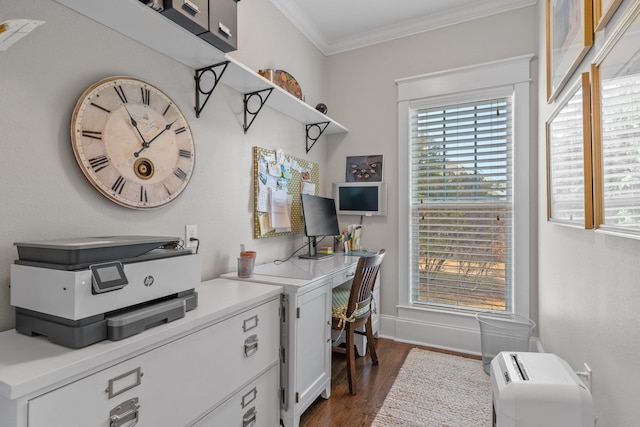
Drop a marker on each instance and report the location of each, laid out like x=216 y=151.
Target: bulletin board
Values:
x=294 y=175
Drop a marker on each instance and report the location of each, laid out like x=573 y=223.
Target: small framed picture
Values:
x=615 y=84
x=603 y=10
x=364 y=168
x=569 y=159
x=569 y=37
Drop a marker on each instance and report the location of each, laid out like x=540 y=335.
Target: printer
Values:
x=538 y=390
x=77 y=292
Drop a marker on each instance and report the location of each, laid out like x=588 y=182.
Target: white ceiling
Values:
x=340 y=25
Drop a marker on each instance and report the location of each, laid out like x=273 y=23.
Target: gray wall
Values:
x=46 y=196
x=363 y=94
x=588 y=288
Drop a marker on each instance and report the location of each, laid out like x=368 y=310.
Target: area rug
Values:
x=436 y=389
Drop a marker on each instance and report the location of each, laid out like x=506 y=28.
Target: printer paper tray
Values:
x=117 y=326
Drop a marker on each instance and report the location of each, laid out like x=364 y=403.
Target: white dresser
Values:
x=217 y=366
x=306 y=326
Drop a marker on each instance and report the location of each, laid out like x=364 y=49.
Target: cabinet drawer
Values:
x=255 y=405
x=223 y=25
x=344 y=276
x=174 y=383
x=193 y=15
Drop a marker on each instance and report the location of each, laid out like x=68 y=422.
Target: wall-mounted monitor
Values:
x=360 y=198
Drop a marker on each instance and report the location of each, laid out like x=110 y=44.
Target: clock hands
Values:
x=146 y=145
x=166 y=128
x=135 y=125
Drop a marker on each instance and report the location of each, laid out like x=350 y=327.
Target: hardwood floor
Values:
x=374 y=382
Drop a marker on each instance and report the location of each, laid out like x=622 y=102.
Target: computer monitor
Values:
x=360 y=198
x=320 y=219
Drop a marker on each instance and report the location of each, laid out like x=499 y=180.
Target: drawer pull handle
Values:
x=224 y=30
x=125 y=412
x=251 y=345
x=192 y=6
x=250 y=323
x=124 y=382
x=249 y=418
x=250 y=397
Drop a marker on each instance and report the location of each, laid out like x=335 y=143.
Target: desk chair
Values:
x=352 y=309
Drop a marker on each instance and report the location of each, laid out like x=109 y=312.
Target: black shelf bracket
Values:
x=320 y=128
x=247 y=112
x=217 y=70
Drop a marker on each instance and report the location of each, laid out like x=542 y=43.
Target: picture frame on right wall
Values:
x=603 y=10
x=615 y=89
x=569 y=161
x=569 y=36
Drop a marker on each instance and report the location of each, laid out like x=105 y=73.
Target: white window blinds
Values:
x=461 y=205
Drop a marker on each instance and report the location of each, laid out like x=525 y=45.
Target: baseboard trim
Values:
x=454 y=338
x=445 y=337
x=536 y=345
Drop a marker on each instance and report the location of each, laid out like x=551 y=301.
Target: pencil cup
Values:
x=245 y=267
x=249 y=254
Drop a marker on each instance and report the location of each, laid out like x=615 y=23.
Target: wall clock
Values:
x=132 y=142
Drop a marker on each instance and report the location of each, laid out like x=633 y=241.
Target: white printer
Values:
x=80 y=291
x=538 y=390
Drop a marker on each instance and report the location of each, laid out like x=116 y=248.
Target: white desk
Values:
x=305 y=368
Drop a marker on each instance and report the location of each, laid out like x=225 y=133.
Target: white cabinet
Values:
x=306 y=348
x=223 y=366
x=309 y=351
x=305 y=326
x=205 y=365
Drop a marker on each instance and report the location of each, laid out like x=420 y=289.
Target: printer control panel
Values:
x=108 y=276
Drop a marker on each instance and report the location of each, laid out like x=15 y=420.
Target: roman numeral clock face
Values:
x=132 y=142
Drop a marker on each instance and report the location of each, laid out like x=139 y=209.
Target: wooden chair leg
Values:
x=351 y=359
x=370 y=343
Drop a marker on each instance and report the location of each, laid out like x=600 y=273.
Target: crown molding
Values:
x=298 y=18
x=396 y=31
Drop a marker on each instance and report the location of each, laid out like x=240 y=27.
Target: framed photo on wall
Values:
x=364 y=168
x=603 y=10
x=569 y=171
x=569 y=35
x=616 y=137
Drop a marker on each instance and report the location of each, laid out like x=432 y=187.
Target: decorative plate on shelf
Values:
x=284 y=80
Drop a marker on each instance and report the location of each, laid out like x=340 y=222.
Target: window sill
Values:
x=445 y=311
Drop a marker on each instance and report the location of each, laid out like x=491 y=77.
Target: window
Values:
x=461 y=205
x=466 y=199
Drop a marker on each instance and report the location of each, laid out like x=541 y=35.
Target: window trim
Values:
x=448 y=87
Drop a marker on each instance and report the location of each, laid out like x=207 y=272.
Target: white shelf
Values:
x=140 y=23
